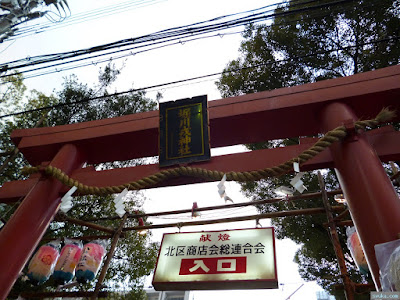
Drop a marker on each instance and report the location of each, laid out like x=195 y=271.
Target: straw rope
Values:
x=328 y=139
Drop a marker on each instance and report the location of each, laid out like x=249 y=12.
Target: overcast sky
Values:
x=186 y=60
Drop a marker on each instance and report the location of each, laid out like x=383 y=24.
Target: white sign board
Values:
x=206 y=260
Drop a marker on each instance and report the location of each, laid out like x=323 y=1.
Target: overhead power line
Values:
x=91 y=15
x=101 y=59
x=291 y=59
x=82 y=17
x=146 y=38
x=80 y=62
x=167 y=35
x=104 y=57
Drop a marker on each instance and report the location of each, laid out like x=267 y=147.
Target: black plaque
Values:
x=184 y=135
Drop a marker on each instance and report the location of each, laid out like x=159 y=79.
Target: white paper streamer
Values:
x=66 y=200
x=120 y=203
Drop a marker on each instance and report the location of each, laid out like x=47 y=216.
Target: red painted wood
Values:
x=23 y=231
x=385 y=141
x=281 y=113
x=373 y=203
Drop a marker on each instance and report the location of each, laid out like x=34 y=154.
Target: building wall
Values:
x=167 y=295
x=322 y=295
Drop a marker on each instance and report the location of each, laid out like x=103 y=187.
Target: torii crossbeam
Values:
x=289 y=112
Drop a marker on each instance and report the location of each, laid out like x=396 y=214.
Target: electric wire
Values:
x=113 y=58
x=104 y=97
x=110 y=58
x=81 y=17
x=183 y=31
x=123 y=41
x=134 y=53
x=105 y=11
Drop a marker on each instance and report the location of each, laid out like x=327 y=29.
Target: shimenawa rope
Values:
x=328 y=139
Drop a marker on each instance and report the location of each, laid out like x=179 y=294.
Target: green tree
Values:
x=310 y=42
x=135 y=254
x=12 y=91
x=306 y=42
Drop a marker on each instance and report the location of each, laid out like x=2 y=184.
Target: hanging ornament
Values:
x=297 y=183
x=195 y=213
x=141 y=223
x=284 y=191
x=90 y=261
x=43 y=262
x=356 y=251
x=222 y=190
x=119 y=202
x=66 y=200
x=258 y=224
x=296 y=167
x=67 y=262
x=221 y=186
x=227 y=198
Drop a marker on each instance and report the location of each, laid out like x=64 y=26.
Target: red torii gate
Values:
x=289 y=112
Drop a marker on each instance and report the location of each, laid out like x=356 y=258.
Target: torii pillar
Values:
x=238 y=120
x=372 y=200
x=24 y=230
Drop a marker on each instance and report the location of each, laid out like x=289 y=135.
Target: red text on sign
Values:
x=213 y=265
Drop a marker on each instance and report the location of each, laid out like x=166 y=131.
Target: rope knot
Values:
x=330 y=137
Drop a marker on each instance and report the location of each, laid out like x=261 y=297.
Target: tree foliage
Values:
x=310 y=41
x=305 y=45
x=135 y=254
x=15 y=13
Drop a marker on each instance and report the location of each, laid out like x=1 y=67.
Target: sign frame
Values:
x=172 y=281
x=184 y=131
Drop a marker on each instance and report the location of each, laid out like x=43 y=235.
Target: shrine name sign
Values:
x=217 y=260
x=183 y=131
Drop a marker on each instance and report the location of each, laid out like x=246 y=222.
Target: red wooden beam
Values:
x=366 y=186
x=385 y=140
x=281 y=113
x=22 y=233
